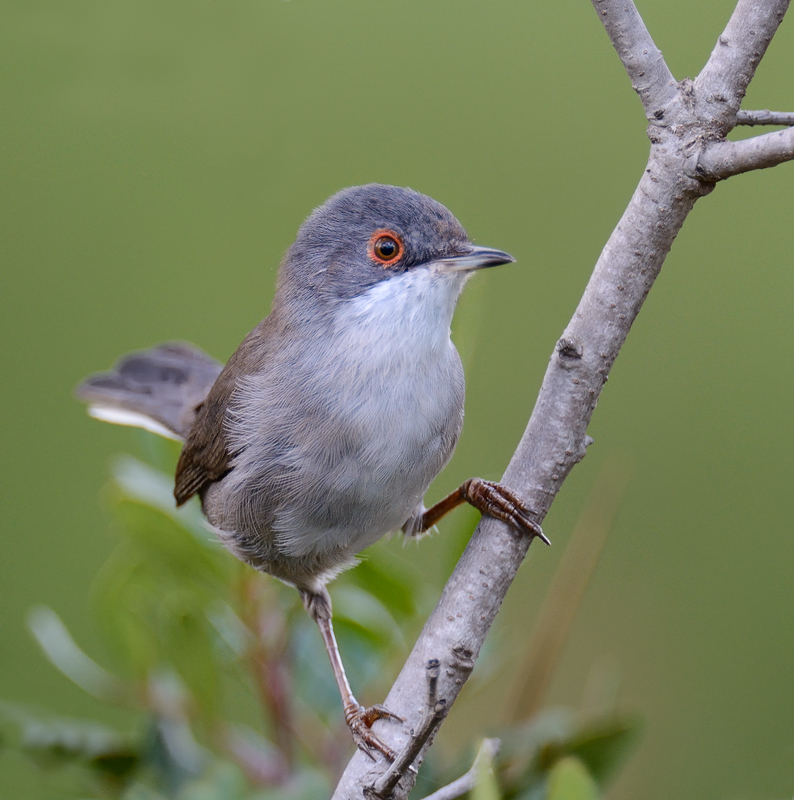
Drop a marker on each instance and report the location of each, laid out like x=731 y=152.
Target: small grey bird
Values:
x=324 y=430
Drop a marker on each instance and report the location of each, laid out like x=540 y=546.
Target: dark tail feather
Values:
x=158 y=389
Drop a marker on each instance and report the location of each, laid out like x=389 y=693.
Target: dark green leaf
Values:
x=601 y=746
x=52 y=740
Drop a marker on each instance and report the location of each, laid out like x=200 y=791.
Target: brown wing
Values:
x=206 y=457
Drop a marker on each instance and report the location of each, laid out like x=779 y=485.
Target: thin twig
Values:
x=720 y=160
x=397 y=769
x=434 y=715
x=765 y=117
x=489 y=749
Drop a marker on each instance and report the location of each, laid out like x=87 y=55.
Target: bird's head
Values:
x=365 y=235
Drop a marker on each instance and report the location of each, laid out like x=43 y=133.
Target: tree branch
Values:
x=555 y=440
x=556 y=435
x=720 y=160
x=434 y=716
x=643 y=61
x=722 y=83
x=765 y=117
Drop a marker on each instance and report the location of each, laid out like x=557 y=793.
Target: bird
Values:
x=324 y=430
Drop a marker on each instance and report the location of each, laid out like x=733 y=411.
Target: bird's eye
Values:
x=385 y=247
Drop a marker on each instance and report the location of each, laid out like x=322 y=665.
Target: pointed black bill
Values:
x=475 y=257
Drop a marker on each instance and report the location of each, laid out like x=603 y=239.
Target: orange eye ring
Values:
x=385 y=247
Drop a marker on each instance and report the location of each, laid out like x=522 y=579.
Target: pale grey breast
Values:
x=338 y=466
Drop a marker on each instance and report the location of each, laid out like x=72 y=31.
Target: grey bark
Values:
x=723 y=159
x=687 y=125
x=764 y=117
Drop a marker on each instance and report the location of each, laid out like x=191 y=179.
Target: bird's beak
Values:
x=474 y=257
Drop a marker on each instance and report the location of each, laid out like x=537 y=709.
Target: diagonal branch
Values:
x=721 y=160
x=556 y=435
x=554 y=441
x=722 y=83
x=643 y=61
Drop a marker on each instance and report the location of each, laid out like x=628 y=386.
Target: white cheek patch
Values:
x=132 y=419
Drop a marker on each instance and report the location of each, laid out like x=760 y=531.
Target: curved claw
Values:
x=360 y=721
x=500 y=502
x=378 y=711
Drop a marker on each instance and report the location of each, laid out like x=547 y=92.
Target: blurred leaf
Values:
x=388 y=579
x=223 y=781
x=230 y=628
x=601 y=746
x=139 y=792
x=312 y=676
x=486 y=787
x=173 y=753
x=531 y=751
x=306 y=784
x=54 y=740
x=366 y=612
x=569 y=780
x=521 y=744
x=187 y=643
x=163 y=536
x=154 y=594
x=369 y=638
x=62 y=651
x=123 y=590
x=149 y=486
x=260 y=759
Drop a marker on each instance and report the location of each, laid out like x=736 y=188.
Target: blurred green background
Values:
x=157 y=159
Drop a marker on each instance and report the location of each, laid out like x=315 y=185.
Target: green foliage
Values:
x=534 y=750
x=570 y=780
x=228 y=682
x=54 y=741
x=487 y=787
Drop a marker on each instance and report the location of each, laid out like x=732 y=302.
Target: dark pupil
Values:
x=386 y=248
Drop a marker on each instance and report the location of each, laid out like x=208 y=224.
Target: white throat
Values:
x=409 y=313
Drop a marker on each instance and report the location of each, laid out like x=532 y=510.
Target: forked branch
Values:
x=688 y=122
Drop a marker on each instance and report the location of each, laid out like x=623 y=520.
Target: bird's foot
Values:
x=360 y=720
x=500 y=502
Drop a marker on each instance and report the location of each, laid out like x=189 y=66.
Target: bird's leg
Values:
x=488 y=498
x=358 y=718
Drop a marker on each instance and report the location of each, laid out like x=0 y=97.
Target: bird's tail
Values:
x=159 y=389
